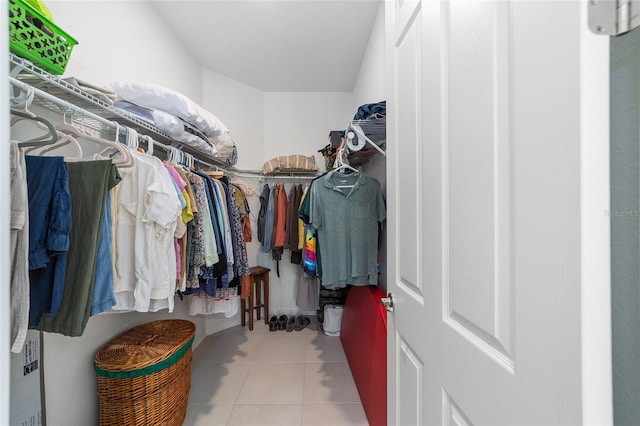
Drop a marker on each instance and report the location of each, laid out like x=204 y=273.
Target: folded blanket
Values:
x=102 y=93
x=172 y=102
x=290 y=163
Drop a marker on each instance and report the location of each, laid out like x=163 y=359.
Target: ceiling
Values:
x=277 y=45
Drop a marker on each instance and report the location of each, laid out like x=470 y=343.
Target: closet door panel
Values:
x=477 y=184
x=409 y=130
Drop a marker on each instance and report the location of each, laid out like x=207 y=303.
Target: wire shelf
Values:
x=25 y=71
x=365 y=138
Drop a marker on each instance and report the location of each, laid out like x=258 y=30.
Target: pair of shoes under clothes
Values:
x=289 y=324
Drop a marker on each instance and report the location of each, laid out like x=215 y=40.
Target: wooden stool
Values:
x=257 y=275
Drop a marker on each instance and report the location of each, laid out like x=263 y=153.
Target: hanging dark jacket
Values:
x=262 y=214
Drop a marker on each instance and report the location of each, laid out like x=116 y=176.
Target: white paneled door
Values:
x=497 y=198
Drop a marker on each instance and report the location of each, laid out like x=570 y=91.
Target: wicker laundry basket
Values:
x=144 y=374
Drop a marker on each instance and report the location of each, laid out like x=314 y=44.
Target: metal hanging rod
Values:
x=68 y=106
x=256 y=174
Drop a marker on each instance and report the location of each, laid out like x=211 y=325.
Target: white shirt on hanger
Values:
x=148 y=211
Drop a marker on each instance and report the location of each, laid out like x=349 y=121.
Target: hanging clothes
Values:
x=210 y=245
x=279 y=225
x=268 y=222
x=103 y=297
x=19 y=249
x=181 y=227
x=222 y=224
x=50 y=220
x=241 y=264
x=210 y=275
x=221 y=198
x=262 y=214
x=89 y=183
x=310 y=260
x=308 y=292
x=243 y=209
x=206 y=274
x=346 y=210
x=300 y=221
x=188 y=214
x=280 y=217
x=310 y=255
x=218 y=291
x=148 y=211
x=291 y=243
x=195 y=230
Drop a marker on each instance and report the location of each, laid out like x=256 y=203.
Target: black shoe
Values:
x=302 y=322
x=282 y=322
x=291 y=324
x=273 y=323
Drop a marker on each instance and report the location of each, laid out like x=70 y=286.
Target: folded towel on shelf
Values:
x=290 y=163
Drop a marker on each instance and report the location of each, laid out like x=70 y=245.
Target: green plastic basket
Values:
x=32 y=36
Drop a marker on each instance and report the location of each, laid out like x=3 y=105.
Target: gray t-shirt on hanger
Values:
x=346 y=219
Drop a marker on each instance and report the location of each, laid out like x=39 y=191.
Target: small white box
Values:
x=26 y=368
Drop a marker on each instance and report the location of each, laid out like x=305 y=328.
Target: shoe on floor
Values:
x=302 y=322
x=282 y=322
x=273 y=323
x=291 y=323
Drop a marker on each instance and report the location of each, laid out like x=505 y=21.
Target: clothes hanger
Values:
x=341 y=165
x=190 y=162
x=52 y=136
x=126 y=158
x=42 y=123
x=63 y=140
x=216 y=173
x=20 y=112
x=173 y=156
x=150 y=144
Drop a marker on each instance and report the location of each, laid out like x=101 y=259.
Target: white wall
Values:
x=241 y=109
x=370 y=87
x=125 y=40
x=299 y=123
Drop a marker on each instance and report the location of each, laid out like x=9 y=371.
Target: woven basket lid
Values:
x=145 y=345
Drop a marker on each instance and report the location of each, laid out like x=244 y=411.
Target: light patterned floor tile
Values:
x=329 y=382
x=325 y=349
x=273 y=383
x=266 y=415
x=333 y=415
x=207 y=415
x=217 y=383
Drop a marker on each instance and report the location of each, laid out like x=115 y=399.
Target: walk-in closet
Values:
x=215 y=238
x=318 y=212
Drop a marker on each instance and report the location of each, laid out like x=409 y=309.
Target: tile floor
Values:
x=242 y=377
